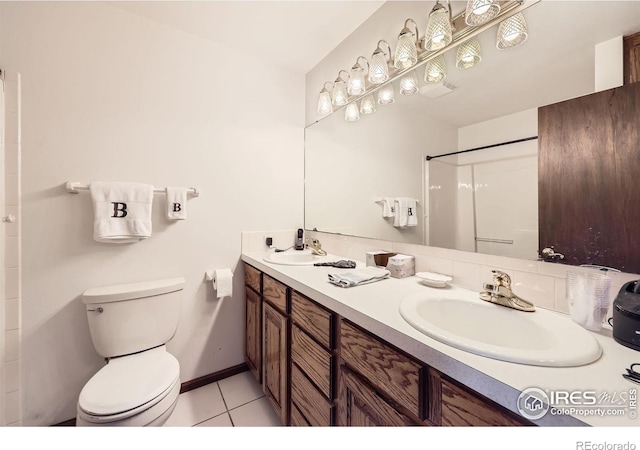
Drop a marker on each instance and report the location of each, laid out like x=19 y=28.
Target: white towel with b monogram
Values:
x=122 y=211
x=176 y=203
x=406 y=212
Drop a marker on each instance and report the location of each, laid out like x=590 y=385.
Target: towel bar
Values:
x=74 y=187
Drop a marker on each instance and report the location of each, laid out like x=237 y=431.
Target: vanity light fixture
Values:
x=512 y=31
x=436 y=70
x=386 y=95
x=351 y=113
x=479 y=12
x=439 y=32
x=339 y=96
x=469 y=54
x=356 y=85
x=409 y=83
x=324 y=101
x=407 y=48
x=379 y=67
x=368 y=105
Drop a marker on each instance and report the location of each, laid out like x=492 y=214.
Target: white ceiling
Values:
x=296 y=34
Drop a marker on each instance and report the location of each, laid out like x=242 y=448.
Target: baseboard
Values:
x=213 y=377
x=188 y=385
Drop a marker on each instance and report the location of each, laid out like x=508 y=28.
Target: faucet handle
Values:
x=501 y=279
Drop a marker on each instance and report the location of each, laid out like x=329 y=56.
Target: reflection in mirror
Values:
x=485 y=200
x=570 y=46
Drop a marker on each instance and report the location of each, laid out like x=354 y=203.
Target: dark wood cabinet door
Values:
x=632 y=58
x=589 y=178
x=275 y=359
x=253 y=333
x=361 y=406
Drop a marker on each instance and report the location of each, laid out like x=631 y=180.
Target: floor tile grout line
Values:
x=225 y=405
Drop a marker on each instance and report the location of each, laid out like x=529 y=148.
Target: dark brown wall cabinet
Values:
x=588 y=192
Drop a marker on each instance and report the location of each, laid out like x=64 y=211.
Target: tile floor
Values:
x=237 y=401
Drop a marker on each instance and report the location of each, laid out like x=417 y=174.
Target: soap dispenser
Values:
x=300 y=240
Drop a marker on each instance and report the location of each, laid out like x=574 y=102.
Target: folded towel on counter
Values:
x=358 y=277
x=406 y=212
x=122 y=211
x=388 y=208
x=176 y=203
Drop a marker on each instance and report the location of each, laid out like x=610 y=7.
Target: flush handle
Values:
x=99 y=310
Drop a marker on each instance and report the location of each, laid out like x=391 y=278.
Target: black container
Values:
x=626 y=316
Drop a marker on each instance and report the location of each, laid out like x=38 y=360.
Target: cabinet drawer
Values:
x=313 y=318
x=463 y=408
x=389 y=371
x=275 y=292
x=314 y=407
x=252 y=278
x=312 y=359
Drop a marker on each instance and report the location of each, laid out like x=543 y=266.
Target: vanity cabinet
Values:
x=253 y=321
x=312 y=361
x=275 y=345
x=320 y=369
x=379 y=384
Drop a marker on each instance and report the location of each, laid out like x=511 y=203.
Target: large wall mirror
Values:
x=486 y=200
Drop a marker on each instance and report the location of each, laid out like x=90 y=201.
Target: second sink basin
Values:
x=295 y=258
x=541 y=338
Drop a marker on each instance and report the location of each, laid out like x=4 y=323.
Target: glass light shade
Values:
x=469 y=54
x=368 y=105
x=356 y=84
x=379 y=70
x=512 y=31
x=479 y=12
x=435 y=70
x=324 y=102
x=351 y=113
x=339 y=95
x=439 y=32
x=386 y=95
x=406 y=50
x=409 y=83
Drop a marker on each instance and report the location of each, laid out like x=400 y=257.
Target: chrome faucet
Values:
x=500 y=293
x=315 y=246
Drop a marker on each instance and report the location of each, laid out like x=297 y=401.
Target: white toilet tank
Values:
x=129 y=318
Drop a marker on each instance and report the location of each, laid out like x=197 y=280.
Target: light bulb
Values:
x=479 y=12
x=340 y=96
x=379 y=69
x=439 y=30
x=324 y=102
x=351 y=113
x=406 y=51
x=368 y=105
x=409 y=83
x=512 y=32
x=386 y=95
x=436 y=70
x=469 y=54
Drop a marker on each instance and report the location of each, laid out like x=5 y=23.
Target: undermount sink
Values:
x=539 y=338
x=294 y=258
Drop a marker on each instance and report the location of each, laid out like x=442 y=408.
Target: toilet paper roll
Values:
x=223 y=282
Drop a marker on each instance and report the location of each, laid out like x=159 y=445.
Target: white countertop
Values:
x=375 y=307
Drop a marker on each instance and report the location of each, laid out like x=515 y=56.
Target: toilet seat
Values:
x=129 y=385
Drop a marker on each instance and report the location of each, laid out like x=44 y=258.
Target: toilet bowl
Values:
x=130 y=325
x=135 y=390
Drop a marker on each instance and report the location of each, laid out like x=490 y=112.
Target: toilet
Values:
x=130 y=325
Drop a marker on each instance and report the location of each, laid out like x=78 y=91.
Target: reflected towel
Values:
x=406 y=212
x=358 y=277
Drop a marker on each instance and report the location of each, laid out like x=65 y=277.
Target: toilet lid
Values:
x=129 y=382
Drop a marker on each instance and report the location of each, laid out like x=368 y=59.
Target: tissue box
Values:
x=378 y=258
x=402 y=266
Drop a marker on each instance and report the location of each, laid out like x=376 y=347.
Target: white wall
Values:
x=111 y=96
